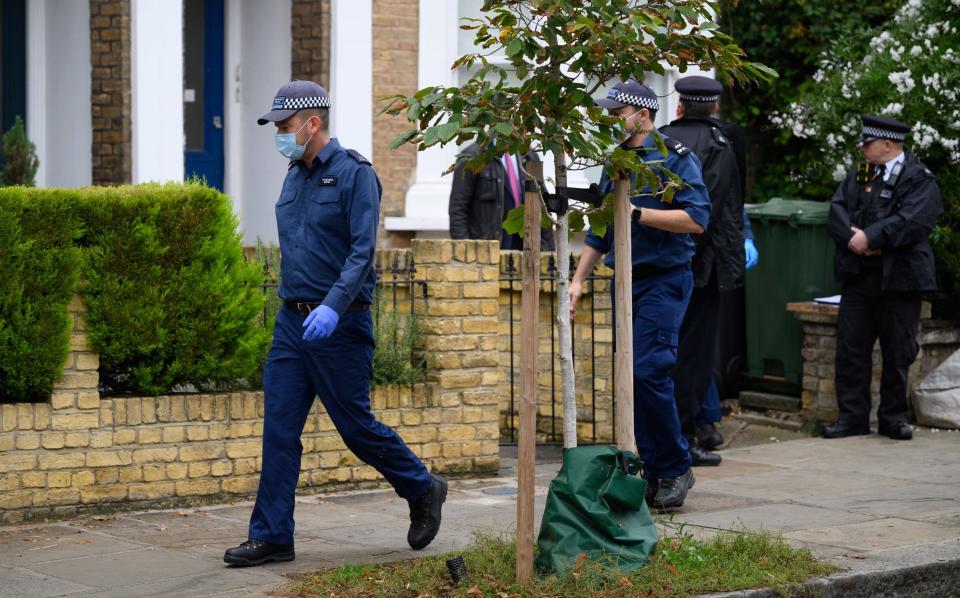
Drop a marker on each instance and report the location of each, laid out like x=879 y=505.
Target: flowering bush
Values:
x=910 y=72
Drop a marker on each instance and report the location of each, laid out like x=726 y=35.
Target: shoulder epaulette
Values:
x=719 y=136
x=291 y=164
x=676 y=146
x=357 y=156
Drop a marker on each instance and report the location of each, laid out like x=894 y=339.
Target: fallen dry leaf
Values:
x=672 y=569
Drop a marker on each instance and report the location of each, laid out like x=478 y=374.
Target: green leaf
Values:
x=430 y=136
x=576 y=220
x=447 y=131
x=403 y=138
x=503 y=127
x=514 y=47
x=514 y=221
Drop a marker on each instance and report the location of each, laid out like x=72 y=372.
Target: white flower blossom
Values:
x=892 y=108
x=917 y=50
x=924 y=136
x=839 y=172
x=903 y=81
x=897 y=54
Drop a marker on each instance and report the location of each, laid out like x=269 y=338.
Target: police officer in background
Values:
x=480 y=202
x=881 y=217
x=719 y=262
x=663 y=245
x=323 y=338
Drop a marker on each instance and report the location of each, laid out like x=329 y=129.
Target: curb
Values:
x=934 y=580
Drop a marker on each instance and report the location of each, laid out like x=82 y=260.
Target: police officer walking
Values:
x=719 y=262
x=661 y=252
x=881 y=217
x=323 y=339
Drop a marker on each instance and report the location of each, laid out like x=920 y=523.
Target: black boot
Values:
x=897 y=431
x=709 y=437
x=653 y=484
x=425 y=514
x=255 y=552
x=701 y=457
x=673 y=491
x=841 y=429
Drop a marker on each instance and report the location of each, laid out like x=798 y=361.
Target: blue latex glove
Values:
x=320 y=323
x=753 y=256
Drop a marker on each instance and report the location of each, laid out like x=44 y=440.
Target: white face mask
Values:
x=626 y=132
x=287 y=144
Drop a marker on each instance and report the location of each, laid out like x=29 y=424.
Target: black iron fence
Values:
x=593 y=359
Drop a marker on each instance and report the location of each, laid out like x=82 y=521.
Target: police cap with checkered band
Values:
x=698 y=89
x=878 y=127
x=293 y=97
x=629 y=93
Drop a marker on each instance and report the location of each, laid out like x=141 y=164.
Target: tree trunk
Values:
x=564 y=325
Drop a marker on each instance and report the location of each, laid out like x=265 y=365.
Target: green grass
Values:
x=683 y=565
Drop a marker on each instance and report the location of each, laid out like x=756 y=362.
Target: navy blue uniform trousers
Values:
x=659 y=302
x=338 y=370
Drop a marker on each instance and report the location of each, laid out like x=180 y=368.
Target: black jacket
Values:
x=720 y=247
x=901 y=231
x=476 y=201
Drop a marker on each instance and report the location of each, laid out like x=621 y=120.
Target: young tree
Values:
x=20 y=156
x=558 y=55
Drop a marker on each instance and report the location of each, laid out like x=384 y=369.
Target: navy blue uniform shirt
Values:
x=327 y=217
x=652 y=246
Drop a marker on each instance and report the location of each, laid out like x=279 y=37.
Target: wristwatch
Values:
x=635 y=215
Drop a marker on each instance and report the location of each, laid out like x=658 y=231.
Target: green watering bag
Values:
x=595 y=506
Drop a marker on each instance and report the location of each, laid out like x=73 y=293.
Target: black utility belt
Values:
x=645 y=270
x=305 y=307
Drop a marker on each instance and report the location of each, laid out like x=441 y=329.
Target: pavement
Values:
x=879 y=508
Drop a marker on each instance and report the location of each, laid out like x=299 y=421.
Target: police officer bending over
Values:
x=323 y=340
x=880 y=217
x=661 y=252
x=719 y=263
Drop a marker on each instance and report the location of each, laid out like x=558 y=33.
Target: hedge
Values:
x=172 y=303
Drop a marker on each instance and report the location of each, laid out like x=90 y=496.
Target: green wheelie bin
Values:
x=796 y=264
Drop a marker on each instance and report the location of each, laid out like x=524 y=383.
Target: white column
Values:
x=351 y=74
x=426 y=202
x=156 y=79
x=37 y=83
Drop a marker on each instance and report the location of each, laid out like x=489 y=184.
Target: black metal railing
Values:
x=584 y=335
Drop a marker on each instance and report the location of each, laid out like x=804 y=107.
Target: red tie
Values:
x=514 y=181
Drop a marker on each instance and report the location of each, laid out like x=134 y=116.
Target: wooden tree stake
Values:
x=623 y=274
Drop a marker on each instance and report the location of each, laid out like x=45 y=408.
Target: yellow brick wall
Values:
x=81 y=453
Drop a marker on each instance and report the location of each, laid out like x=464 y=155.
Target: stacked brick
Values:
x=110 y=91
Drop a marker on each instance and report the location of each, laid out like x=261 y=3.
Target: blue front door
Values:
x=203 y=25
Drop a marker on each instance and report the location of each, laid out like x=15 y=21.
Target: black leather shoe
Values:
x=425 y=514
x=255 y=552
x=842 y=429
x=709 y=437
x=898 y=431
x=673 y=491
x=702 y=457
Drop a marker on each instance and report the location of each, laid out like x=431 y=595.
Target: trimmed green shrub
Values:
x=395 y=358
x=39 y=267
x=19 y=156
x=172 y=301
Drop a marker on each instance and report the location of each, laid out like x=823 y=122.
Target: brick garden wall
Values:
x=938 y=340
x=81 y=453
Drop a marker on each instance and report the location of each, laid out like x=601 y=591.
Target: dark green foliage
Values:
x=395 y=359
x=172 y=303
x=39 y=266
x=788 y=36
x=19 y=156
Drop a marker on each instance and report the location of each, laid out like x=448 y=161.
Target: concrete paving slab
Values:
x=784 y=484
x=208 y=583
x=120 y=569
x=57 y=542
x=907 y=501
x=773 y=517
x=875 y=534
x=19 y=582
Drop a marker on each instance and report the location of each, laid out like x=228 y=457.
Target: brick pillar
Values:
x=75 y=399
x=110 y=91
x=460 y=323
x=310 y=40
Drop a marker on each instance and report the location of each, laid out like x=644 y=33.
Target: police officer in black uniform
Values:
x=719 y=262
x=881 y=217
x=323 y=338
x=662 y=247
